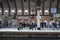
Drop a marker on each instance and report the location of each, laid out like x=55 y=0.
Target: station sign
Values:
x=57 y=15
x=53 y=10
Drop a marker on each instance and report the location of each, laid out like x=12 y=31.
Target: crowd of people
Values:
x=8 y=23
x=51 y=24
x=14 y=23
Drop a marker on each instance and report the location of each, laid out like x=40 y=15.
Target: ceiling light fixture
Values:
x=19 y=11
x=13 y=11
x=40 y=11
x=26 y=11
x=6 y=10
x=46 y=11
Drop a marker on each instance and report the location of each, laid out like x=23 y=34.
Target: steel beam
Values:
x=43 y=7
x=50 y=7
x=29 y=6
x=57 y=6
x=1 y=5
x=22 y=7
x=8 y=6
x=15 y=6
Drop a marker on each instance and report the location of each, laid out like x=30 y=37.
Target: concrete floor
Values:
x=26 y=30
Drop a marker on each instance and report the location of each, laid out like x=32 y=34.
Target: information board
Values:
x=53 y=10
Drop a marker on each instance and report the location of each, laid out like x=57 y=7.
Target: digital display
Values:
x=53 y=10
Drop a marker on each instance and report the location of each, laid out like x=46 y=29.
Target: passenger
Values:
x=20 y=25
x=46 y=23
x=24 y=24
x=0 y=23
x=6 y=22
x=33 y=25
x=15 y=23
x=57 y=24
x=52 y=23
x=27 y=24
x=10 y=23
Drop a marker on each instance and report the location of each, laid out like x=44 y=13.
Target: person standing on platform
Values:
x=46 y=23
x=6 y=22
x=0 y=23
x=52 y=24
x=33 y=25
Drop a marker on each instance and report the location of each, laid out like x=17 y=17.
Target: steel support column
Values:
x=43 y=7
x=57 y=6
x=29 y=6
x=22 y=7
x=8 y=6
x=1 y=5
x=38 y=16
x=15 y=6
x=50 y=7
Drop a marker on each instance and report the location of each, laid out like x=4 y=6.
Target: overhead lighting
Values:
x=40 y=11
x=13 y=11
x=0 y=10
x=26 y=11
x=6 y=10
x=19 y=11
x=46 y=11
